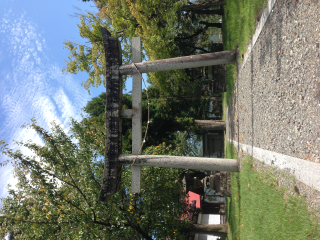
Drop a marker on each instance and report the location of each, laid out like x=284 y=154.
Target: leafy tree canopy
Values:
x=164 y=111
x=88 y=57
x=166 y=32
x=56 y=196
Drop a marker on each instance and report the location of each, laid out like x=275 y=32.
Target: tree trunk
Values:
x=139 y=230
x=202 y=124
x=217 y=25
x=218 y=99
x=210 y=124
x=220 y=230
x=214 y=202
x=211 y=208
x=193 y=61
x=203 y=5
x=184 y=162
x=212 y=12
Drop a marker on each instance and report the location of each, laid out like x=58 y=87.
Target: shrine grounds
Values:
x=265 y=202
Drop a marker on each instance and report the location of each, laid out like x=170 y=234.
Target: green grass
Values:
x=259 y=209
x=239 y=23
x=232 y=206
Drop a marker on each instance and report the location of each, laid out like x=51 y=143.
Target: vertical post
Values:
x=137 y=115
x=210 y=78
x=210 y=75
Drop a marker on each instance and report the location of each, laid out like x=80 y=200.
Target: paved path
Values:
x=274 y=113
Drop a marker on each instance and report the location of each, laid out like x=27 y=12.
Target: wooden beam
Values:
x=200 y=163
x=112 y=168
x=193 y=61
x=205 y=124
x=211 y=124
x=126 y=113
x=137 y=114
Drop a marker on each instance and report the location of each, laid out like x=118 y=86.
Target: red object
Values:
x=193 y=201
x=190 y=196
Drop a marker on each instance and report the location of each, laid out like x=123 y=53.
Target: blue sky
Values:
x=31 y=59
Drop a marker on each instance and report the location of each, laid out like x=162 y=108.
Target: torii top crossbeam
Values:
x=113 y=156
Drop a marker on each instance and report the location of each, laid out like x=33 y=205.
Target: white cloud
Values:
x=39 y=45
x=65 y=105
x=47 y=110
x=6 y=178
x=32 y=85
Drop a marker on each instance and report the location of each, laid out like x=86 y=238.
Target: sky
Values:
x=31 y=58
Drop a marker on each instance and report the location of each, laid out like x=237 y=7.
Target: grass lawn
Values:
x=258 y=209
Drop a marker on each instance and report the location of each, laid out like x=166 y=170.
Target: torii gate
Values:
x=114 y=113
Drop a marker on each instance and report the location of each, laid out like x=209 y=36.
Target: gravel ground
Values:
x=276 y=99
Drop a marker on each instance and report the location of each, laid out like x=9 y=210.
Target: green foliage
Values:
x=96 y=106
x=88 y=58
x=96 y=109
x=166 y=32
x=240 y=22
x=164 y=111
x=58 y=187
x=184 y=145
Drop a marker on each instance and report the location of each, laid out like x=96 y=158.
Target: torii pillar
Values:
x=113 y=157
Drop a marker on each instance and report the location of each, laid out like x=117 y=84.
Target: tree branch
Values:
x=212 y=12
x=26 y=221
x=217 y=25
x=46 y=171
x=70 y=202
x=191 y=36
x=198 y=48
x=69 y=173
x=138 y=229
x=101 y=223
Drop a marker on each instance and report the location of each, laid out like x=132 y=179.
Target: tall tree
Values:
x=88 y=57
x=165 y=31
x=167 y=114
x=219 y=230
x=56 y=196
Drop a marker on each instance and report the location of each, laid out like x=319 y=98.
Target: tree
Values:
x=202 y=5
x=165 y=31
x=219 y=230
x=167 y=114
x=56 y=196
x=88 y=57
